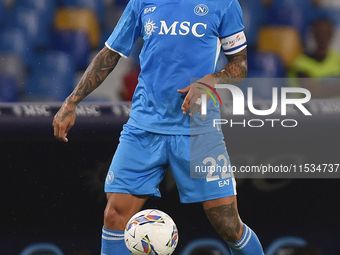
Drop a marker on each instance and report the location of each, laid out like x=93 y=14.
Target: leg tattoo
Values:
x=226 y=221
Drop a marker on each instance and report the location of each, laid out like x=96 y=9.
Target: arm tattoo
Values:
x=61 y=115
x=236 y=69
x=226 y=221
x=95 y=74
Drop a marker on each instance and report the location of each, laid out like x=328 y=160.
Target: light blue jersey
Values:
x=182 y=41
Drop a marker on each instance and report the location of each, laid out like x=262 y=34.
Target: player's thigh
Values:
x=138 y=165
x=202 y=170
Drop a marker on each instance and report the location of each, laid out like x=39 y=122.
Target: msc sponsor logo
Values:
x=201 y=10
x=88 y=110
x=149 y=27
x=32 y=110
x=176 y=28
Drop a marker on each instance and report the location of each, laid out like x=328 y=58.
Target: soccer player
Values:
x=182 y=40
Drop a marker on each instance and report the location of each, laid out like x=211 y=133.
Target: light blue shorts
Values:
x=199 y=164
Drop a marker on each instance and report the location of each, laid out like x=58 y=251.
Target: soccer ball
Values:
x=151 y=232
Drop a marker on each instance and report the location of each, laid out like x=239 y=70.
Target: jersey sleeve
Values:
x=232 y=36
x=127 y=30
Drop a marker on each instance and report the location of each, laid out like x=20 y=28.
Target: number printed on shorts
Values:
x=217 y=171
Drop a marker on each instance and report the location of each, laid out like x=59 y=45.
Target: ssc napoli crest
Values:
x=109 y=177
x=201 y=10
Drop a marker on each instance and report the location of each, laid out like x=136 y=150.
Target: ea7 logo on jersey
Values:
x=150 y=9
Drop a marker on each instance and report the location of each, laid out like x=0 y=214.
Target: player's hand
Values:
x=193 y=99
x=63 y=121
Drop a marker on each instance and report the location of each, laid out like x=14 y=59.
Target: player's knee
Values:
x=110 y=214
x=113 y=219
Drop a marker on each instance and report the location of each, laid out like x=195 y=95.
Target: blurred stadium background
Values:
x=51 y=193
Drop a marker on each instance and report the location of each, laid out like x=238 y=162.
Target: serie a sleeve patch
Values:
x=234 y=43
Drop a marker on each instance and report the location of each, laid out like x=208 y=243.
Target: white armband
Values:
x=234 y=43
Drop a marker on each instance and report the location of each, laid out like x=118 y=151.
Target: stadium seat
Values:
x=13 y=66
x=288 y=15
x=38 y=248
x=55 y=61
x=265 y=71
x=52 y=77
x=206 y=243
x=300 y=13
x=75 y=43
x=301 y=3
x=48 y=86
x=95 y=5
x=254 y=16
x=45 y=7
x=33 y=23
x=3 y=12
x=121 y=3
x=283 y=40
x=333 y=14
x=79 y=19
x=265 y=64
x=8 y=89
x=13 y=41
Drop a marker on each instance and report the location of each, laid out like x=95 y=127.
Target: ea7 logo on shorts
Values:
x=201 y=10
x=150 y=9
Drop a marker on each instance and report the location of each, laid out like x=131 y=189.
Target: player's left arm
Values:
x=234 y=72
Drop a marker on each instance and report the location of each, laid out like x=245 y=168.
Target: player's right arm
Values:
x=100 y=67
